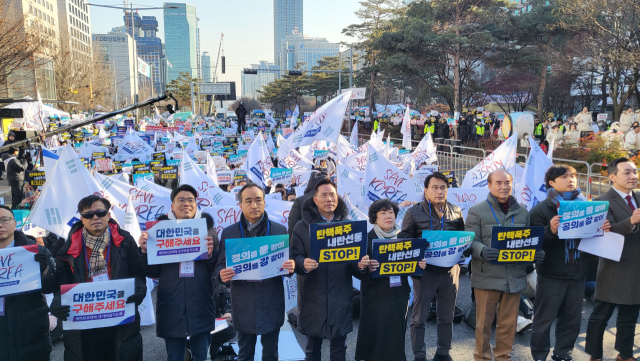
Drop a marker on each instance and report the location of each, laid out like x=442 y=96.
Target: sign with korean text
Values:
x=257 y=258
x=225 y=177
x=320 y=154
x=36 y=178
x=516 y=244
x=141 y=168
x=142 y=176
x=398 y=257
x=174 y=241
x=281 y=175
x=19 y=271
x=169 y=172
x=446 y=247
x=104 y=165
x=98 y=304
x=338 y=242
x=582 y=219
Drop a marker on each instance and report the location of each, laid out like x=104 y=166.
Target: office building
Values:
x=37 y=75
x=119 y=49
x=149 y=47
x=206 y=67
x=287 y=15
x=297 y=48
x=181 y=40
x=75 y=27
x=251 y=83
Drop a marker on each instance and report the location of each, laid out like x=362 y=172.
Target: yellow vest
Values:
x=479 y=129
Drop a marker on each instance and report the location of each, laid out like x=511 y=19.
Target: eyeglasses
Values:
x=6 y=220
x=436 y=188
x=89 y=215
x=186 y=200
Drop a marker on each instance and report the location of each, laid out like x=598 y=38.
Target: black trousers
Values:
x=625 y=325
x=247 y=345
x=338 y=349
x=16 y=194
x=99 y=344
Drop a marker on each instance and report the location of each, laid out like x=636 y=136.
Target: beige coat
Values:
x=584 y=121
x=618 y=282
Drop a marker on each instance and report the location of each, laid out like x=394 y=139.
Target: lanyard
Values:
x=431 y=219
x=268 y=227
x=108 y=254
x=494 y=215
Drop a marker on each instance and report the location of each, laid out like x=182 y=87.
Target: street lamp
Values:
x=135 y=58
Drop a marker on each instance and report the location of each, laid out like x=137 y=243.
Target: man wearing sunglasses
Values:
x=24 y=318
x=97 y=250
x=185 y=305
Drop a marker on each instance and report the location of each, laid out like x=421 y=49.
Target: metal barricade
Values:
x=600 y=184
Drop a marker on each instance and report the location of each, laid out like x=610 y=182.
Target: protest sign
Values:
x=30 y=230
x=19 y=271
x=98 y=304
x=170 y=172
x=140 y=176
x=104 y=165
x=200 y=156
x=582 y=219
x=301 y=177
x=36 y=178
x=225 y=177
x=257 y=258
x=174 y=241
x=290 y=293
x=398 y=257
x=281 y=175
x=338 y=242
x=446 y=247
x=420 y=175
x=319 y=154
x=516 y=244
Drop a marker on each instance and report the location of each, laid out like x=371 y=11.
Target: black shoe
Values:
x=555 y=357
x=439 y=357
x=420 y=359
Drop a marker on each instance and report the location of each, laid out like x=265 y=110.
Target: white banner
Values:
x=382 y=179
x=348 y=176
x=301 y=177
x=425 y=152
x=19 y=271
x=502 y=158
x=192 y=175
x=134 y=147
x=258 y=164
x=357 y=161
x=174 y=241
x=406 y=129
x=278 y=211
x=531 y=188
x=465 y=198
x=294 y=160
x=223 y=216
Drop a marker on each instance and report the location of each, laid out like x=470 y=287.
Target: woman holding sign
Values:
x=384 y=301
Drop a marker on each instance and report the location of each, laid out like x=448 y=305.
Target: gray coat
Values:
x=257 y=307
x=618 y=282
x=510 y=278
x=324 y=294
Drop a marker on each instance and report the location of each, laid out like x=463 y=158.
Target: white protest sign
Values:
x=608 y=246
x=257 y=258
x=225 y=177
x=30 y=230
x=104 y=165
x=502 y=158
x=446 y=247
x=290 y=293
x=582 y=219
x=134 y=147
x=174 y=241
x=19 y=271
x=420 y=175
x=98 y=304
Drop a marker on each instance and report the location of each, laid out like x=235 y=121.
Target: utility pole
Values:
x=193 y=103
x=339 y=72
x=351 y=86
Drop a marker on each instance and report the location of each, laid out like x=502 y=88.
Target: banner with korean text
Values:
x=338 y=242
x=446 y=247
x=398 y=257
x=582 y=219
x=177 y=241
x=257 y=258
x=516 y=244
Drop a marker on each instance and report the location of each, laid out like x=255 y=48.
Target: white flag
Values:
x=134 y=147
x=465 y=198
x=382 y=179
x=552 y=145
x=278 y=211
x=269 y=118
x=279 y=140
x=192 y=175
x=301 y=177
x=211 y=170
x=294 y=160
x=151 y=187
x=294 y=117
x=258 y=163
x=425 y=151
x=354 y=135
x=223 y=216
x=348 y=176
x=355 y=214
x=502 y=158
x=530 y=189
x=406 y=129
x=358 y=161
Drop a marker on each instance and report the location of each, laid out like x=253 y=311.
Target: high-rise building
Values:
x=75 y=27
x=149 y=47
x=198 y=56
x=181 y=40
x=206 y=67
x=297 y=48
x=119 y=49
x=251 y=83
x=37 y=74
x=287 y=15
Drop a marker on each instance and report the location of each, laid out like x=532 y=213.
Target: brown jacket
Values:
x=618 y=282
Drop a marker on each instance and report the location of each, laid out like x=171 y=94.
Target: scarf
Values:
x=571 y=253
x=393 y=234
x=97 y=245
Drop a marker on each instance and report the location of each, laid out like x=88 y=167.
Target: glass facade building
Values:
x=287 y=16
x=181 y=40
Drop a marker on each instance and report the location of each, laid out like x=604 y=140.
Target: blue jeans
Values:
x=199 y=343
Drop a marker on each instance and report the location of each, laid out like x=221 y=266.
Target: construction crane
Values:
x=215 y=72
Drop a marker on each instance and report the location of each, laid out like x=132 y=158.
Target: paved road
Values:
x=463 y=338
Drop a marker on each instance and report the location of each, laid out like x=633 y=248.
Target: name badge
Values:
x=395 y=281
x=1 y=306
x=186 y=269
x=104 y=276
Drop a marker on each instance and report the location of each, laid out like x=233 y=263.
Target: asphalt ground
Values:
x=463 y=337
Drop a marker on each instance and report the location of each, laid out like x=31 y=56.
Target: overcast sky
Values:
x=247 y=26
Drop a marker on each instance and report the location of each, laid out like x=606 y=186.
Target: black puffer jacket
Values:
x=553 y=265
x=185 y=305
x=24 y=329
x=442 y=130
x=16 y=168
x=123 y=264
x=324 y=294
x=295 y=214
x=418 y=219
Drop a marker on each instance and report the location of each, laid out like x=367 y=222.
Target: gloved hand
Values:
x=42 y=259
x=539 y=256
x=490 y=254
x=61 y=312
x=467 y=252
x=137 y=297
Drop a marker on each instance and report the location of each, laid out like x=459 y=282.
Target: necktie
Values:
x=628 y=197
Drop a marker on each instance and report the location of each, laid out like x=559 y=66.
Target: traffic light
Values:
x=250 y=71
x=223 y=67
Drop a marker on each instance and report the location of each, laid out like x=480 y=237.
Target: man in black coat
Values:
x=98 y=249
x=185 y=305
x=434 y=213
x=24 y=318
x=295 y=215
x=16 y=166
x=443 y=128
x=257 y=306
x=324 y=290
x=241 y=113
